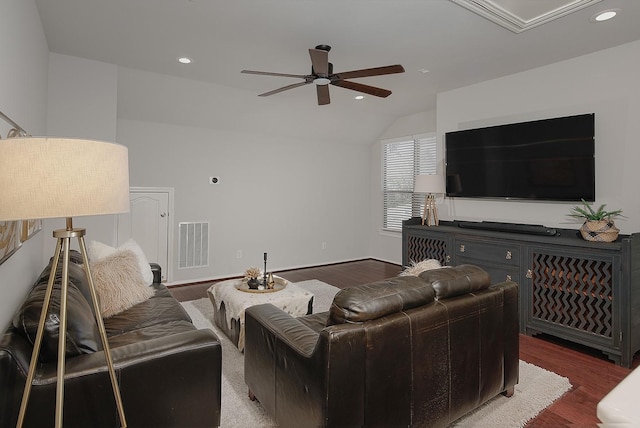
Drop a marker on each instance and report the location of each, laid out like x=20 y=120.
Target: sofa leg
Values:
x=252 y=397
x=509 y=392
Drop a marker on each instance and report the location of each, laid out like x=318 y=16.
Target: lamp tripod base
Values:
x=62 y=249
x=430 y=211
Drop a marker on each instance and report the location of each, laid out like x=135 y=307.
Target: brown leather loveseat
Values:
x=168 y=371
x=409 y=351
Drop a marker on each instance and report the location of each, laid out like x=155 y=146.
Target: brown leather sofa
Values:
x=169 y=372
x=409 y=351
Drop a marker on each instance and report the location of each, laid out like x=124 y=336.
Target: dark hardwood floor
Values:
x=341 y=275
x=588 y=370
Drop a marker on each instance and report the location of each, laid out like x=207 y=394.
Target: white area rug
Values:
x=537 y=389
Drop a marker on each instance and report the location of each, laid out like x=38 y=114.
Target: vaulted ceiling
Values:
x=441 y=45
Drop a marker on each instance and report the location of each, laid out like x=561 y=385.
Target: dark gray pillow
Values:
x=457 y=280
x=371 y=301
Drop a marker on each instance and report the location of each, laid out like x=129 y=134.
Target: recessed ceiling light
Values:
x=359 y=97
x=604 y=15
x=184 y=60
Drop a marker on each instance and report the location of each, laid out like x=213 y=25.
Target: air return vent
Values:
x=194 y=245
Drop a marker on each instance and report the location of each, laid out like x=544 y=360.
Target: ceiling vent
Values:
x=521 y=15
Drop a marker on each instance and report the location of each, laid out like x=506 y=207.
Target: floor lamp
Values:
x=431 y=185
x=63 y=178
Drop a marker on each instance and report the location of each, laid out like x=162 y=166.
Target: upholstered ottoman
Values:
x=231 y=298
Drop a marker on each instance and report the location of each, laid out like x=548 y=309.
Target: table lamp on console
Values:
x=63 y=178
x=431 y=185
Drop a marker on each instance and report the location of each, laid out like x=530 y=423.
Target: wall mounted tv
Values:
x=549 y=160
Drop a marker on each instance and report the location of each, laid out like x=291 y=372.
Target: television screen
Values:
x=550 y=159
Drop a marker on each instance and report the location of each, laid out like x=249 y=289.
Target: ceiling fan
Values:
x=322 y=75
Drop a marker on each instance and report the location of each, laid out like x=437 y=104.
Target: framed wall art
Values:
x=30 y=228
x=10 y=242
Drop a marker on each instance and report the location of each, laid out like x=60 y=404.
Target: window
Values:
x=402 y=161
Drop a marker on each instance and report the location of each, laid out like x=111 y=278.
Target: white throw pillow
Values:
x=145 y=269
x=98 y=251
x=416 y=268
x=118 y=282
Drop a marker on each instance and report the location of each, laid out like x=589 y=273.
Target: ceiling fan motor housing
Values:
x=329 y=69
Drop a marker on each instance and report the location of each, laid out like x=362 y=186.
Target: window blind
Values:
x=402 y=161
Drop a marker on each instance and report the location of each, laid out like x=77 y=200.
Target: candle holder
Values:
x=264 y=272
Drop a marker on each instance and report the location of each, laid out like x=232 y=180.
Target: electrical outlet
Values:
x=238 y=254
x=214 y=180
x=324 y=245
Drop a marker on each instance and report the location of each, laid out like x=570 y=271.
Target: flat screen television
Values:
x=549 y=160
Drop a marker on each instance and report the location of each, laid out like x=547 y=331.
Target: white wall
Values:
x=605 y=83
x=278 y=195
x=23 y=91
x=82 y=103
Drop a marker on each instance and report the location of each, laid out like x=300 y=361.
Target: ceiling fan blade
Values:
x=284 y=88
x=323 y=94
x=371 y=90
x=319 y=61
x=267 y=73
x=377 y=71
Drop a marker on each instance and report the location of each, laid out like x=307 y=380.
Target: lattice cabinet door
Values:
x=573 y=295
x=426 y=246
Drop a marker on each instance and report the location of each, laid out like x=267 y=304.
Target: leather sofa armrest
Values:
x=286 y=328
x=321 y=374
x=156 y=270
x=183 y=366
x=273 y=340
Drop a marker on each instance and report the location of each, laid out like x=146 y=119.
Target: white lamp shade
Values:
x=61 y=177
x=432 y=183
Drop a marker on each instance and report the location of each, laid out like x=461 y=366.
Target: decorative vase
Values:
x=253 y=283
x=599 y=231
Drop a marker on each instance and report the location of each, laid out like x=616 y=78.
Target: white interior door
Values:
x=148 y=224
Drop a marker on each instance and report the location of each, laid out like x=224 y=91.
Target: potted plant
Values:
x=598 y=224
x=251 y=275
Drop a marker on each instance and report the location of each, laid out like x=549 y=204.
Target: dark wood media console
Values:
x=581 y=291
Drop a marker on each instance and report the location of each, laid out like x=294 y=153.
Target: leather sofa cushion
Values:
x=371 y=301
x=82 y=334
x=158 y=310
x=454 y=281
x=77 y=275
x=155 y=331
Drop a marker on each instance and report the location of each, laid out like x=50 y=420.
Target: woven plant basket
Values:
x=599 y=231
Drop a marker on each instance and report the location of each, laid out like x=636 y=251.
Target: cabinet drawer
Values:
x=497 y=273
x=504 y=254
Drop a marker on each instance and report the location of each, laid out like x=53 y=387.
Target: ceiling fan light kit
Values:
x=322 y=75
